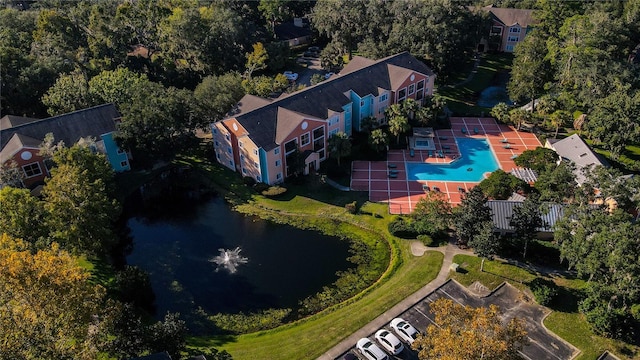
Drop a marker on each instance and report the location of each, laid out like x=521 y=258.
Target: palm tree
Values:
x=379 y=140
x=339 y=146
x=398 y=125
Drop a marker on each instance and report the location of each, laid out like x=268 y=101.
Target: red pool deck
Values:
x=402 y=194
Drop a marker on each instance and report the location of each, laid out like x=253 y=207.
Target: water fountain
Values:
x=229 y=259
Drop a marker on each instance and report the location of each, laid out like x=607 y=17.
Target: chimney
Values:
x=297 y=22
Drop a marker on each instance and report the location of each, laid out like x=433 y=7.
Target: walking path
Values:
x=382 y=320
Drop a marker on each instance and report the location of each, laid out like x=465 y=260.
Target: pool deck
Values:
x=403 y=194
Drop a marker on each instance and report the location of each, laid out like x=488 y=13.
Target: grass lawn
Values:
x=462 y=100
x=565 y=320
x=312 y=203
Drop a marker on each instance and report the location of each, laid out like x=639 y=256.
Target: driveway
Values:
x=313 y=67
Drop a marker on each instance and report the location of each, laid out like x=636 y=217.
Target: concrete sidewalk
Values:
x=382 y=320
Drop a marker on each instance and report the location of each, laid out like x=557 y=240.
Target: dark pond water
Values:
x=175 y=239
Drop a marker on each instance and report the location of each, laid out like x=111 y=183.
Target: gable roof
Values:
x=69 y=127
x=502 y=211
x=16 y=143
x=575 y=149
x=9 y=121
x=316 y=102
x=510 y=16
x=287 y=122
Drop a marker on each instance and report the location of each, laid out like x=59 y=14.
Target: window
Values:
x=256 y=164
x=318 y=140
x=509 y=48
x=412 y=89
x=124 y=163
x=381 y=109
x=420 y=85
x=218 y=156
x=255 y=152
x=319 y=132
x=371 y=101
x=242 y=157
x=120 y=152
x=275 y=152
x=402 y=94
x=230 y=162
x=214 y=130
x=227 y=137
x=290 y=146
x=229 y=149
x=258 y=179
x=216 y=143
x=514 y=30
x=279 y=176
x=384 y=97
x=333 y=132
x=334 y=120
x=240 y=143
x=31 y=170
x=305 y=139
x=496 y=30
x=277 y=162
x=362 y=103
x=419 y=95
x=512 y=38
x=244 y=171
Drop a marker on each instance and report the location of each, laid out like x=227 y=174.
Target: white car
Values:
x=370 y=350
x=404 y=330
x=390 y=342
x=291 y=76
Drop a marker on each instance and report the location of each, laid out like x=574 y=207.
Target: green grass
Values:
x=494 y=274
x=317 y=205
x=565 y=320
x=462 y=100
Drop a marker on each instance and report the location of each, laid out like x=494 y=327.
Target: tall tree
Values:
x=379 y=140
x=215 y=96
x=501 y=112
x=484 y=243
x=274 y=11
x=526 y=220
x=256 y=60
x=469 y=217
x=69 y=93
x=339 y=146
x=342 y=21
x=432 y=214
x=50 y=309
x=398 y=121
x=21 y=215
x=79 y=212
x=500 y=185
x=463 y=332
x=558 y=185
x=539 y=159
x=530 y=70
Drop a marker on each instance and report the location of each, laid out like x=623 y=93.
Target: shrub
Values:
x=543 y=290
x=249 y=181
x=260 y=187
x=273 y=191
x=426 y=240
x=351 y=207
x=401 y=228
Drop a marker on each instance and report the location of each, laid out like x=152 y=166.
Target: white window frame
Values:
x=295 y=140
x=515 y=30
x=334 y=120
x=279 y=176
x=276 y=151
x=277 y=163
x=405 y=94
x=31 y=165
x=124 y=163
x=240 y=144
x=302 y=142
x=255 y=152
x=513 y=38
x=412 y=89
x=509 y=47
x=383 y=98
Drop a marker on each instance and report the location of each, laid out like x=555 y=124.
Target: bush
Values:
x=260 y=187
x=351 y=207
x=401 y=228
x=249 y=181
x=273 y=191
x=426 y=240
x=543 y=290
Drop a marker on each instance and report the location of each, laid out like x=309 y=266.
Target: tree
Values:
x=539 y=159
x=50 y=309
x=79 y=212
x=11 y=174
x=331 y=58
x=468 y=218
x=21 y=215
x=342 y=21
x=215 y=96
x=560 y=118
x=379 y=140
x=68 y=94
x=398 y=121
x=501 y=112
x=558 y=185
x=339 y=146
x=500 y=185
x=273 y=11
x=485 y=242
x=463 y=332
x=518 y=117
x=256 y=60
x=168 y=335
x=86 y=157
x=606 y=184
x=432 y=214
x=530 y=70
x=526 y=220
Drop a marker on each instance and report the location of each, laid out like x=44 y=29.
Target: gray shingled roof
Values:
x=8 y=121
x=16 y=143
x=289 y=31
x=574 y=149
x=502 y=211
x=315 y=101
x=69 y=127
x=510 y=17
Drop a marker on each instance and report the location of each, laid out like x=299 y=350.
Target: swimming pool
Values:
x=476 y=160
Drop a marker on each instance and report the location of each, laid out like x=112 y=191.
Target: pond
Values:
x=176 y=238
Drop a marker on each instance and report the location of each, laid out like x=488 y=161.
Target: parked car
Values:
x=314 y=49
x=370 y=350
x=404 y=330
x=389 y=342
x=291 y=76
x=349 y=356
x=328 y=75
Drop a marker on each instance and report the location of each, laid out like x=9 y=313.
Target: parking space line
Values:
x=544 y=348
x=452 y=298
x=523 y=355
x=428 y=318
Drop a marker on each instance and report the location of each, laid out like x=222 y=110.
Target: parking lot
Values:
x=543 y=344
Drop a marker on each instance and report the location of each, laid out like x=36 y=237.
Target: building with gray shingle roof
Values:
x=365 y=88
x=510 y=26
x=574 y=149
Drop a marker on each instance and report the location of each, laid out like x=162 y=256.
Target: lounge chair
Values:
x=443 y=138
x=393 y=175
x=436 y=189
x=412 y=153
x=461 y=189
x=475 y=130
x=513 y=157
x=446 y=147
x=394 y=171
x=430 y=153
x=504 y=141
x=464 y=131
x=392 y=166
x=508 y=146
x=426 y=187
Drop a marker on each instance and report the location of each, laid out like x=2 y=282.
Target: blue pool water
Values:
x=477 y=159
